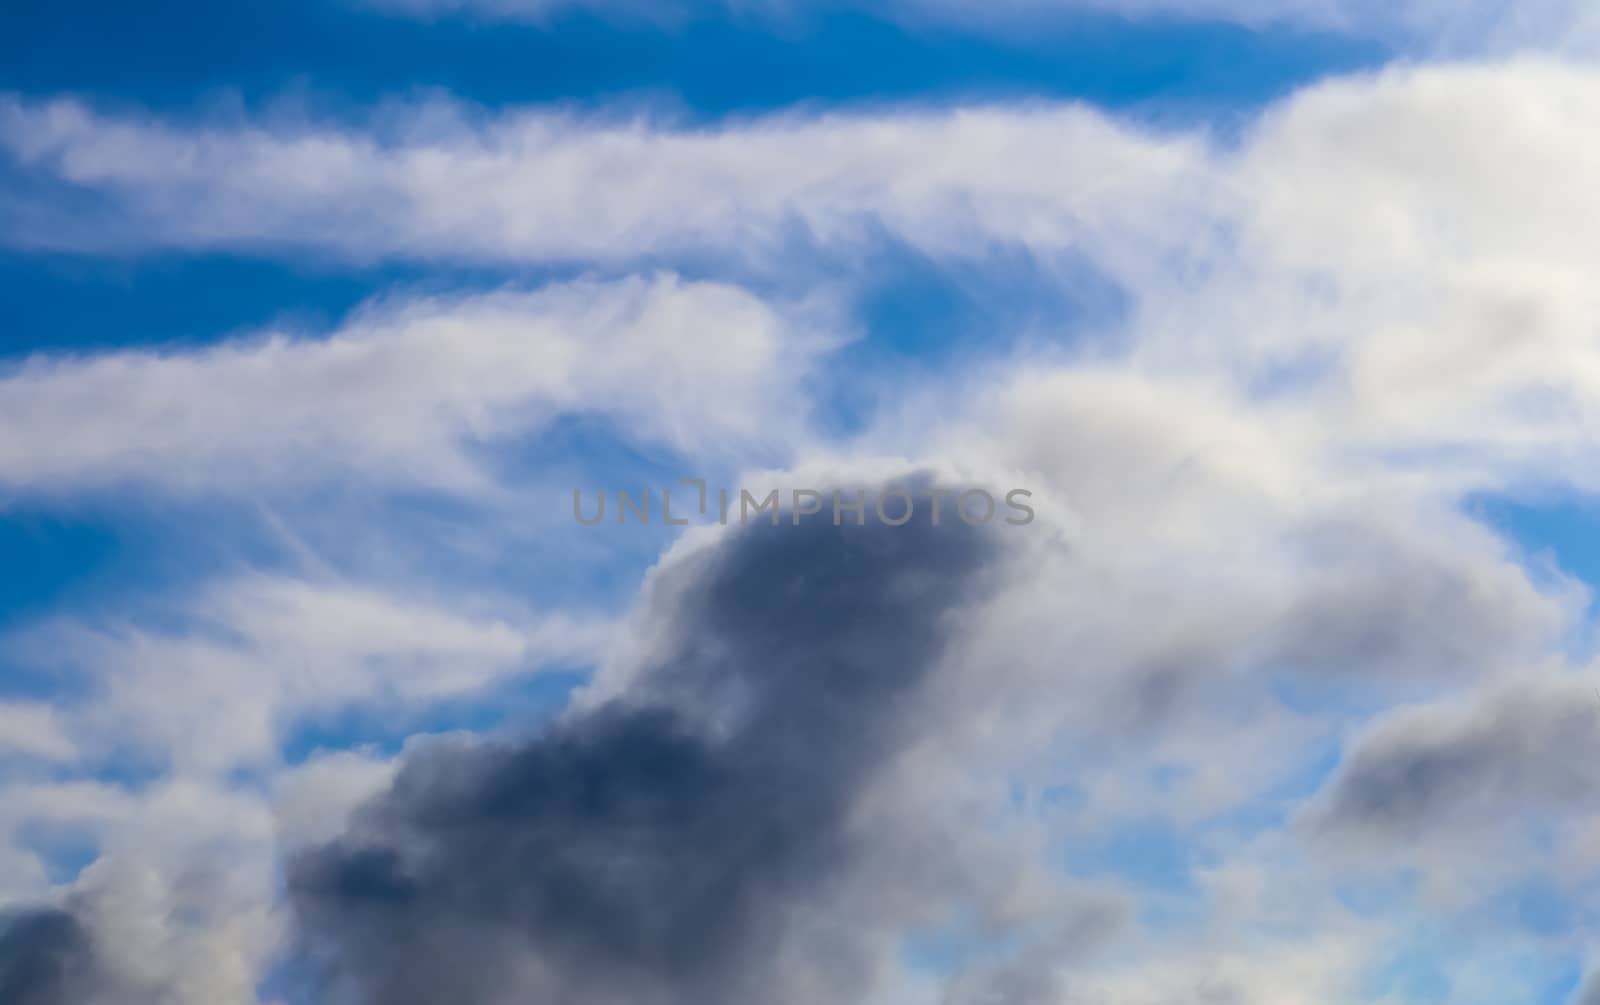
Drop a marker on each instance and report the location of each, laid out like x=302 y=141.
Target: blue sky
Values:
x=315 y=315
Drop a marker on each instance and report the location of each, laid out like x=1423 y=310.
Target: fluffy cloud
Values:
x=176 y=911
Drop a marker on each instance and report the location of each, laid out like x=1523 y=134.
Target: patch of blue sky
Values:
x=920 y=317
x=183 y=54
x=1413 y=973
x=119 y=548
x=600 y=564
x=1331 y=698
x=1560 y=983
x=1557 y=534
x=1559 y=530
x=1379 y=892
x=45 y=553
x=923 y=309
x=1433 y=966
x=956 y=945
x=1538 y=906
x=1152 y=854
x=68 y=303
x=64 y=849
x=1315 y=765
x=292 y=981
x=1542 y=977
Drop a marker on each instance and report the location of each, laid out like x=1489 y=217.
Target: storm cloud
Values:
x=695 y=837
x=46 y=958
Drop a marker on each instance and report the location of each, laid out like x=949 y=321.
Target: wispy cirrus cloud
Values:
x=538 y=186
x=403 y=390
x=255 y=657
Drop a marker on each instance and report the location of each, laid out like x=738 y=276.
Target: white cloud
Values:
x=33 y=729
x=406 y=387
x=1386 y=317
x=180 y=904
x=434 y=183
x=185 y=935
x=312 y=801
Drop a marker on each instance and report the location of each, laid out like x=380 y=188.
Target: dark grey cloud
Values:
x=46 y=958
x=1438 y=767
x=692 y=840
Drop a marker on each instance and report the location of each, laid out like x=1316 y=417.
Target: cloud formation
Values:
x=697 y=838
x=1256 y=650
x=408 y=385
x=1442 y=770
